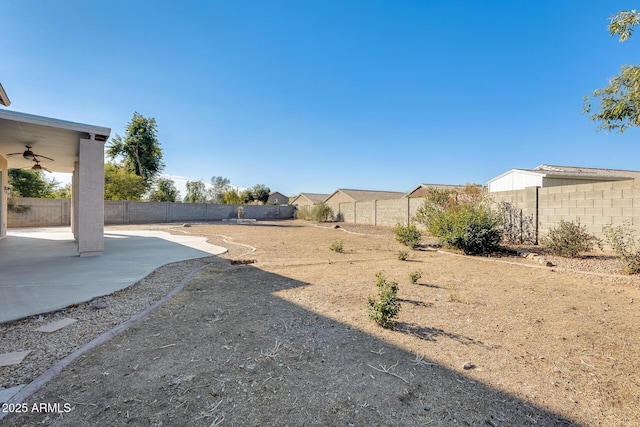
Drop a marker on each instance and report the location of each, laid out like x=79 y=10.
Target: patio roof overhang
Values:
x=57 y=139
x=60 y=146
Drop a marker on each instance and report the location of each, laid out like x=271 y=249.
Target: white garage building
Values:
x=553 y=176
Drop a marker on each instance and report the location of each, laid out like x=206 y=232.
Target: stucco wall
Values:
x=4 y=181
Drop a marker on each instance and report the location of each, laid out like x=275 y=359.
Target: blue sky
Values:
x=311 y=96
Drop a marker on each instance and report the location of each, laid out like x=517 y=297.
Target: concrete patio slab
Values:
x=41 y=272
x=55 y=326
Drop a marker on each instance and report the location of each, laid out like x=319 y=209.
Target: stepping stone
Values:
x=8 y=393
x=54 y=326
x=14 y=358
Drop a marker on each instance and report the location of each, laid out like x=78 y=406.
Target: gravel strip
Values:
x=49 y=348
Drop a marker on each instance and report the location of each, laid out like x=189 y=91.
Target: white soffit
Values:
x=57 y=139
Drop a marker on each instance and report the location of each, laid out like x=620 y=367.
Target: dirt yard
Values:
x=285 y=340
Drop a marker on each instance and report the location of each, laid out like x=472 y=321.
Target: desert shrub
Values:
x=569 y=239
x=623 y=242
x=403 y=255
x=461 y=219
x=337 y=246
x=322 y=213
x=414 y=276
x=386 y=307
x=454 y=296
x=303 y=212
x=408 y=235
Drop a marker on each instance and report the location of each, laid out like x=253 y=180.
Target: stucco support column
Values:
x=74 y=201
x=4 y=183
x=90 y=198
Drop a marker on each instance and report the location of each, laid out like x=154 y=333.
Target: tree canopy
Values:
x=231 y=197
x=139 y=148
x=196 y=192
x=30 y=183
x=618 y=104
x=164 y=190
x=120 y=184
x=257 y=193
x=220 y=186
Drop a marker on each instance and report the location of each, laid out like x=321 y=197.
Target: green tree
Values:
x=62 y=192
x=196 y=192
x=139 y=149
x=164 y=190
x=260 y=193
x=247 y=196
x=618 y=104
x=220 y=186
x=231 y=197
x=30 y=183
x=120 y=184
x=461 y=219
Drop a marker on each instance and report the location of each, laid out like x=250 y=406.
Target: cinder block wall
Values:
x=378 y=212
x=594 y=205
x=41 y=213
x=365 y=212
x=148 y=212
x=344 y=211
x=392 y=212
x=57 y=212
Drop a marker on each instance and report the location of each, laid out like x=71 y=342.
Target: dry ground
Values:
x=287 y=341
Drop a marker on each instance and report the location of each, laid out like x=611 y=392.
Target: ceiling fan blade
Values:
x=44 y=157
x=14 y=154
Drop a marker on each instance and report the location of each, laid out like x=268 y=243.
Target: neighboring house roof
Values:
x=4 y=99
x=368 y=195
x=422 y=189
x=279 y=197
x=312 y=198
x=551 y=171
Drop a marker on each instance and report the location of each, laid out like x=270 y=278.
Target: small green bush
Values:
x=471 y=229
x=461 y=219
x=386 y=307
x=570 y=239
x=322 y=213
x=414 y=276
x=337 y=246
x=408 y=235
x=624 y=244
x=303 y=212
x=403 y=255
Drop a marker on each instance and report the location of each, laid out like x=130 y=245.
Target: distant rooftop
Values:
x=367 y=195
x=582 y=171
